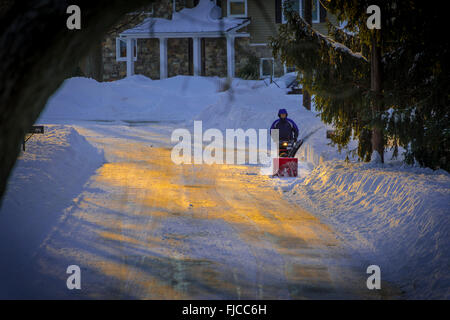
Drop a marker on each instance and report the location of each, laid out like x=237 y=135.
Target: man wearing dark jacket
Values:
x=287 y=128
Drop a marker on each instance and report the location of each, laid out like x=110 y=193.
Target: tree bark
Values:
x=377 y=104
x=308 y=19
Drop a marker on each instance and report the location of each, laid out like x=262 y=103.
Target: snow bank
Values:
x=394 y=216
x=134 y=98
x=45 y=181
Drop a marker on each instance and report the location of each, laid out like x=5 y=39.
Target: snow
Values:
x=343 y=27
x=134 y=98
x=46 y=178
x=248 y=104
x=341 y=47
x=392 y=215
x=198 y=19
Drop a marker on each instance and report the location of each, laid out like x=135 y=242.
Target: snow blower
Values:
x=287 y=165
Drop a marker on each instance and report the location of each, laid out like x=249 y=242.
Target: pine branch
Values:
x=334 y=67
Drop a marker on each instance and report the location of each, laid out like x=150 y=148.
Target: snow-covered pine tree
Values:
x=406 y=104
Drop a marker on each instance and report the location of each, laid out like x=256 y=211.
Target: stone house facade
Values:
x=200 y=53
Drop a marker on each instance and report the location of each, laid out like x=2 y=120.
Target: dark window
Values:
x=323 y=13
x=191 y=56
x=278 y=11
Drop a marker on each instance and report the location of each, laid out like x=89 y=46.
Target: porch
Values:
x=201 y=22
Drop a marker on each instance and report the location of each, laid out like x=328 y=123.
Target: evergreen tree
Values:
x=386 y=87
x=308 y=18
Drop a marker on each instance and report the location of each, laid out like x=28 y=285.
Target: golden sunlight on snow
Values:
x=155 y=230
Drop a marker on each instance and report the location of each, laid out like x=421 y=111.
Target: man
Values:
x=287 y=128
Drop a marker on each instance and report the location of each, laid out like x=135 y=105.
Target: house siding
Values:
x=323 y=26
x=263 y=21
x=263 y=24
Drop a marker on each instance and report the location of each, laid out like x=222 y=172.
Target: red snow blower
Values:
x=287 y=165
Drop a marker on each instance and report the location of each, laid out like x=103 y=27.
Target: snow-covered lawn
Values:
x=50 y=173
x=46 y=179
x=391 y=215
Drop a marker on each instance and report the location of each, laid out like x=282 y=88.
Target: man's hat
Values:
x=282 y=111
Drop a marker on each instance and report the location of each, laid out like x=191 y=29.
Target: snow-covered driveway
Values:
x=143 y=227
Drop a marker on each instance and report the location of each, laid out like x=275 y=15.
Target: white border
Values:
x=261 y=60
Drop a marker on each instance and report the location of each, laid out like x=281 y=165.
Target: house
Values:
x=200 y=37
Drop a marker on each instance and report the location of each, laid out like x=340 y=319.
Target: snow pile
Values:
x=47 y=176
x=134 y=98
x=394 y=216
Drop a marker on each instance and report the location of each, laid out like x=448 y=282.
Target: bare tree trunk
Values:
x=308 y=19
x=377 y=104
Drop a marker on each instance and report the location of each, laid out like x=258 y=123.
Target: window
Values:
x=237 y=8
x=297 y=5
x=121 y=49
x=266 y=68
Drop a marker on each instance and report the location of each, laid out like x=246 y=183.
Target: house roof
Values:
x=204 y=18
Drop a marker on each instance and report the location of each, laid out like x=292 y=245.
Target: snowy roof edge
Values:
x=140 y=31
x=197 y=20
